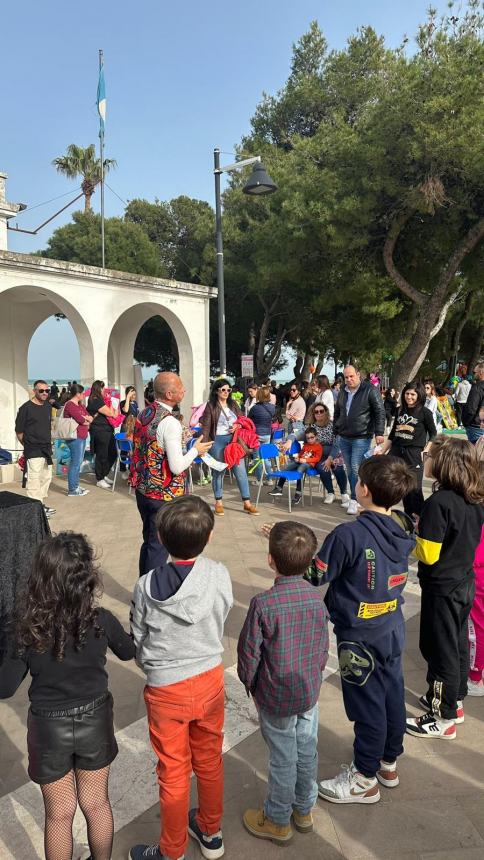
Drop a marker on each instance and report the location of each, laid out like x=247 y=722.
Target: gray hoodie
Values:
x=181 y=637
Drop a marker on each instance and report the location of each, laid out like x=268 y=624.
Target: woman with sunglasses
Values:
x=295 y=408
x=331 y=462
x=218 y=424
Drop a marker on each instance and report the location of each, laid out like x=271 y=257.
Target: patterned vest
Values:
x=150 y=473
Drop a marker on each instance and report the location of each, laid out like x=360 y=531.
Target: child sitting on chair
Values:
x=310 y=454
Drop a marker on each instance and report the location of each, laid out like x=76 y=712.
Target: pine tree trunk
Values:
x=476 y=349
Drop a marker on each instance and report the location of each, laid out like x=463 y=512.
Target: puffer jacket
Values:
x=367 y=413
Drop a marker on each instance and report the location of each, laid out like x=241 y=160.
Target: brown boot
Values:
x=302 y=823
x=249 y=508
x=219 y=508
x=256 y=823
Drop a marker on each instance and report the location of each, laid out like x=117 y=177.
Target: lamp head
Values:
x=259 y=181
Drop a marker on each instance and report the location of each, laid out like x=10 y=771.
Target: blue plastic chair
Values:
x=123 y=446
x=197 y=460
x=309 y=473
x=278 y=435
x=269 y=451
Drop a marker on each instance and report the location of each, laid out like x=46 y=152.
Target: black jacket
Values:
x=262 y=414
x=475 y=401
x=367 y=413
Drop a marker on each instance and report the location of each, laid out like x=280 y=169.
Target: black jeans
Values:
x=414 y=500
x=444 y=645
x=105 y=452
x=152 y=553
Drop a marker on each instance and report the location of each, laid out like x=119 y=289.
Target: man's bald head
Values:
x=352 y=376
x=168 y=387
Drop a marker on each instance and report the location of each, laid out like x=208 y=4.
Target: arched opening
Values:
x=54 y=351
x=154 y=336
x=23 y=309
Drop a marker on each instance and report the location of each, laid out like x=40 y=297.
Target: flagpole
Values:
x=101 y=147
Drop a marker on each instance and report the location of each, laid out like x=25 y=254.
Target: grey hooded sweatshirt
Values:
x=181 y=637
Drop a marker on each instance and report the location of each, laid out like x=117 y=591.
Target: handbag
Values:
x=64 y=428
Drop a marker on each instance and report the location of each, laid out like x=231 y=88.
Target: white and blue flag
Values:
x=101 y=101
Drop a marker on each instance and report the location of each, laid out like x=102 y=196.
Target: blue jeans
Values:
x=240 y=472
x=326 y=480
x=293 y=466
x=353 y=451
x=77 y=448
x=474 y=434
x=293 y=763
x=263 y=440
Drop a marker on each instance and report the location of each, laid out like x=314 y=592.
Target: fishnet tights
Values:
x=90 y=789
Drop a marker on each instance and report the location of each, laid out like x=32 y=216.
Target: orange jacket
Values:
x=311 y=454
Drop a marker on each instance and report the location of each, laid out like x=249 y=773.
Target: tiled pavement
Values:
x=437 y=813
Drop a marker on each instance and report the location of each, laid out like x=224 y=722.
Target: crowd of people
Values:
x=183 y=597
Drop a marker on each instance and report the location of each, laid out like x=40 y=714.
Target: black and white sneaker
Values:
x=49 y=512
x=429 y=726
x=459 y=717
x=277 y=491
x=297 y=498
x=212 y=846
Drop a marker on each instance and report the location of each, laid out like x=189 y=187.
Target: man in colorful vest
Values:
x=158 y=464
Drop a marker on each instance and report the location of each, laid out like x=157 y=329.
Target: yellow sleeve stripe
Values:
x=427 y=551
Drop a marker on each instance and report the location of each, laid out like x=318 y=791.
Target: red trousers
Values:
x=185 y=722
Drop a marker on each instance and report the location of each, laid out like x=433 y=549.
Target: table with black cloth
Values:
x=23 y=525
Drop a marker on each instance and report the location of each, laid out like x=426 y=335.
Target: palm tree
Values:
x=83 y=162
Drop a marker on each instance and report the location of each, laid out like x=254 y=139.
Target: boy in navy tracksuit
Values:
x=366 y=565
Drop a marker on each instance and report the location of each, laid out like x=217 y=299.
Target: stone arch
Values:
x=123 y=337
x=22 y=309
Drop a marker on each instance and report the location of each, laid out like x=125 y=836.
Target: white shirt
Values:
x=169 y=437
x=462 y=391
x=327 y=399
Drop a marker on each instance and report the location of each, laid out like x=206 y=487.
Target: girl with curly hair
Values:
x=61 y=638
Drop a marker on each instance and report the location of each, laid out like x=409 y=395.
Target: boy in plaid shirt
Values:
x=284 y=677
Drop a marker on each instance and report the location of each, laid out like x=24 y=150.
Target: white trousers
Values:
x=39 y=476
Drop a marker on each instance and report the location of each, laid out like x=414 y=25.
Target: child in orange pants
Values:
x=177 y=620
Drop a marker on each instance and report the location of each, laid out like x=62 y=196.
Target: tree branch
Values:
x=403 y=285
x=469 y=242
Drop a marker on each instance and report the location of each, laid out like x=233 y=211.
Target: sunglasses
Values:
x=319 y=411
x=225 y=390
x=43 y=390
x=293 y=389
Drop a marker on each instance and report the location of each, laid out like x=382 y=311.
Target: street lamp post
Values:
x=259 y=183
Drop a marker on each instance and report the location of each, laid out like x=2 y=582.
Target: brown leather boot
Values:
x=249 y=508
x=219 y=508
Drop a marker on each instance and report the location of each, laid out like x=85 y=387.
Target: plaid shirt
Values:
x=283 y=647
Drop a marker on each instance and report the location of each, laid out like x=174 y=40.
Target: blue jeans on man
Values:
x=293 y=763
x=353 y=451
x=76 y=448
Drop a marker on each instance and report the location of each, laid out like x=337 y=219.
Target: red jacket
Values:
x=311 y=454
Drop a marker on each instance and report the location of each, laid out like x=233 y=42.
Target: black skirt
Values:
x=80 y=738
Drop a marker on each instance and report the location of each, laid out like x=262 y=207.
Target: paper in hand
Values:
x=213 y=463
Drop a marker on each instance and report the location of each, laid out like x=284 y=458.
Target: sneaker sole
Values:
x=372 y=798
x=208 y=853
x=268 y=836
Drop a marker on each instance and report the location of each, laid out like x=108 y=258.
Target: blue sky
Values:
x=180 y=80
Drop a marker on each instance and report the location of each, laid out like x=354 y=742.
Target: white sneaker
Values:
x=475 y=688
x=350 y=786
x=352 y=507
x=104 y=484
x=345 y=500
x=388 y=774
x=125 y=475
x=429 y=726
x=329 y=499
x=108 y=481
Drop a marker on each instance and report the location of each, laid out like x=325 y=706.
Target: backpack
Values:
x=64 y=428
x=197 y=412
